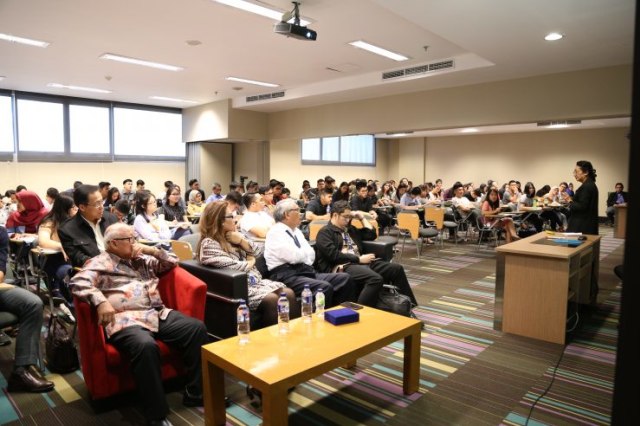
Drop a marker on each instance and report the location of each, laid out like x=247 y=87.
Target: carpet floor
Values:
x=470 y=373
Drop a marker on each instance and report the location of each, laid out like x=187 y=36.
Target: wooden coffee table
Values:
x=273 y=362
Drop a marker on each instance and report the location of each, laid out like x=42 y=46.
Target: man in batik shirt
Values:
x=122 y=283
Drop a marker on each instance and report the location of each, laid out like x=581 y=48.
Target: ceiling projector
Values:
x=295 y=31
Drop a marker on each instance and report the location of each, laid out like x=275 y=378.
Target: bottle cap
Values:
x=283 y=294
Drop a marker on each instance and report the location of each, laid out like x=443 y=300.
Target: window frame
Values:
x=339 y=162
x=8 y=155
x=67 y=156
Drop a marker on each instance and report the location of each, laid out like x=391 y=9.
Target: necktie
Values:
x=295 y=239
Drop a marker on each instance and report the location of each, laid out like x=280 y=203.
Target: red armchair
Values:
x=105 y=370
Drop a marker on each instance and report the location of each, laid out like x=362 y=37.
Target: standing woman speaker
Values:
x=584 y=203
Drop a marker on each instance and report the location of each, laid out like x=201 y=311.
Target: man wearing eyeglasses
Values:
x=82 y=236
x=122 y=283
x=339 y=247
x=289 y=258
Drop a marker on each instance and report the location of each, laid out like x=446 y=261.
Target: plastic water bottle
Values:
x=307 y=307
x=243 y=323
x=283 y=313
x=320 y=304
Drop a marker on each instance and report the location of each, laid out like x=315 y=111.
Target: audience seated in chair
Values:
x=23 y=308
x=123 y=286
x=290 y=258
x=82 y=236
x=221 y=246
x=340 y=249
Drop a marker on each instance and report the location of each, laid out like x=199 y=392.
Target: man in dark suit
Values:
x=620 y=196
x=82 y=235
x=339 y=249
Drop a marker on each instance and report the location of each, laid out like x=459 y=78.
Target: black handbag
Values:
x=391 y=300
x=60 y=348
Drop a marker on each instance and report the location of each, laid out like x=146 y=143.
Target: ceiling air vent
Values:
x=421 y=69
x=265 y=96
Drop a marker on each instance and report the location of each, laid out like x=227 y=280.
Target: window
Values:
x=351 y=150
x=6 y=125
x=40 y=126
x=311 y=149
x=89 y=129
x=147 y=133
x=62 y=128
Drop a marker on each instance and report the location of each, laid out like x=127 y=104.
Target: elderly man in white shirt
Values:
x=289 y=258
x=255 y=222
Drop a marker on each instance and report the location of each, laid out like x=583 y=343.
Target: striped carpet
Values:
x=470 y=374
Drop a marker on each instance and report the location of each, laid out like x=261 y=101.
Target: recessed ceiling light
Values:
x=22 y=40
x=257 y=83
x=163 y=98
x=553 y=36
x=378 y=50
x=247 y=6
x=193 y=42
x=84 y=89
x=469 y=130
x=135 y=61
x=561 y=124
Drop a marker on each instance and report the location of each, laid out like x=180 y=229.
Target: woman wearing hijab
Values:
x=196 y=206
x=29 y=214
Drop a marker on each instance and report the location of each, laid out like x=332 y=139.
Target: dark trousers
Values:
x=177 y=330
x=337 y=288
x=370 y=278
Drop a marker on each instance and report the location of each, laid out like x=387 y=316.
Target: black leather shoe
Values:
x=161 y=422
x=25 y=380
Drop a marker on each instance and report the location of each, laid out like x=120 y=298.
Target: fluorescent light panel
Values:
x=84 y=89
x=135 y=61
x=247 y=6
x=469 y=130
x=22 y=40
x=163 y=98
x=257 y=83
x=378 y=50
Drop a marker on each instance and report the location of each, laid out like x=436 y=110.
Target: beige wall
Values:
x=603 y=92
x=250 y=159
x=411 y=160
x=216 y=163
x=541 y=157
x=206 y=122
x=40 y=176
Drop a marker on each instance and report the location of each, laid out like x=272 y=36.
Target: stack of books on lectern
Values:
x=570 y=238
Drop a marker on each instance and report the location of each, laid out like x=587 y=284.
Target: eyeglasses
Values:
x=130 y=239
x=97 y=204
x=345 y=216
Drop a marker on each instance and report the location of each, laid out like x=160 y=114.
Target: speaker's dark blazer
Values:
x=584 y=209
